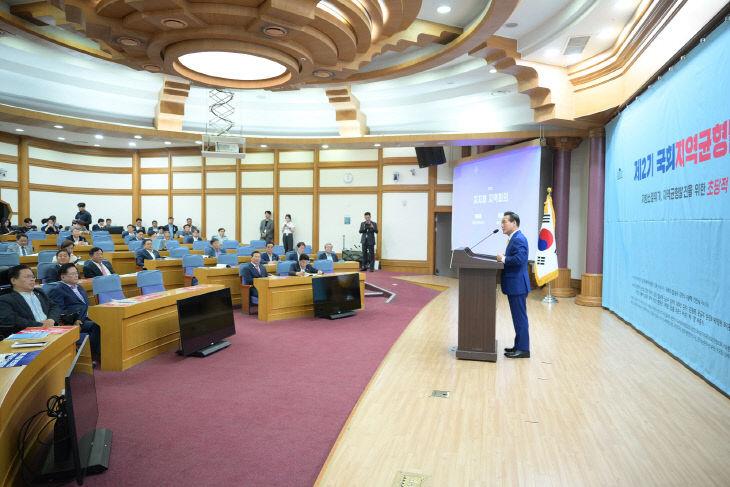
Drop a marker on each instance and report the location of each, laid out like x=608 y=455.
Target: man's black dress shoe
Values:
x=518 y=354
x=511 y=349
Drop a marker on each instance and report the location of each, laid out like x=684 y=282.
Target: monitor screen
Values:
x=336 y=294
x=430 y=156
x=115 y=230
x=205 y=319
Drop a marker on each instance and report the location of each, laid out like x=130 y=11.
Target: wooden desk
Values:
x=24 y=391
x=7 y=238
x=226 y=276
x=288 y=297
x=134 y=332
x=129 y=286
x=122 y=261
x=349 y=266
x=172 y=270
x=48 y=244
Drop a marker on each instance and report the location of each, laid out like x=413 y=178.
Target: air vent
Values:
x=576 y=45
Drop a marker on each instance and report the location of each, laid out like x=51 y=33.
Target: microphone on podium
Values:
x=482 y=240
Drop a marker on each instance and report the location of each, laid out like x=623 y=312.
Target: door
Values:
x=442 y=228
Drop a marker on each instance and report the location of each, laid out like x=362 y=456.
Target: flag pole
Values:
x=549 y=298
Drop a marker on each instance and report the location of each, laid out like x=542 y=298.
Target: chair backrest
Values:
x=3 y=246
x=129 y=237
x=47 y=286
x=291 y=255
x=61 y=238
x=307 y=249
x=150 y=281
x=279 y=249
x=324 y=265
x=46 y=256
x=64 y=233
x=36 y=235
x=44 y=270
x=201 y=245
x=179 y=252
x=191 y=261
x=96 y=233
x=9 y=259
x=105 y=245
x=107 y=288
x=101 y=238
x=172 y=244
x=258 y=244
x=284 y=267
x=134 y=246
x=229 y=244
x=245 y=250
x=228 y=259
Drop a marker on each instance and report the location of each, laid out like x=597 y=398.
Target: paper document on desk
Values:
x=32 y=335
x=17 y=359
x=28 y=344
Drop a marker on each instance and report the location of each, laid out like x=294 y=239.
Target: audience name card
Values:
x=31 y=335
x=17 y=359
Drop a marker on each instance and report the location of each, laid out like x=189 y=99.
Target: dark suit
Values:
x=248 y=273
x=267 y=227
x=190 y=239
x=15 y=314
x=323 y=256
x=171 y=228
x=211 y=252
x=50 y=230
x=309 y=269
x=153 y=230
x=368 y=244
x=265 y=257
x=84 y=217
x=141 y=255
x=97 y=228
x=516 y=285
x=92 y=270
x=64 y=296
x=70 y=239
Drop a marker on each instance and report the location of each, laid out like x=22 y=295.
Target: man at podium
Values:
x=516 y=283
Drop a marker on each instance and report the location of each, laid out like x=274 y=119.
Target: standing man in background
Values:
x=266 y=228
x=368 y=228
x=516 y=283
x=83 y=216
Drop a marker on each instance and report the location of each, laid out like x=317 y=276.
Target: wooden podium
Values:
x=477 y=304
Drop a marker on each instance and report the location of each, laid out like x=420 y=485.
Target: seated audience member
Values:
x=303 y=267
x=97 y=266
x=83 y=216
x=167 y=235
x=171 y=227
x=153 y=228
x=138 y=226
x=146 y=252
x=186 y=231
x=5 y=225
x=195 y=237
x=189 y=221
x=29 y=227
x=269 y=255
x=69 y=248
x=327 y=254
x=221 y=235
x=139 y=235
x=76 y=237
x=99 y=225
x=108 y=223
x=215 y=249
x=61 y=257
x=300 y=250
x=50 y=227
x=72 y=298
x=21 y=246
x=129 y=231
x=80 y=225
x=25 y=305
x=252 y=270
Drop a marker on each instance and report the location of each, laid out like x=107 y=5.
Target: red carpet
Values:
x=264 y=412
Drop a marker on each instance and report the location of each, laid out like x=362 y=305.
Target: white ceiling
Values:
x=459 y=96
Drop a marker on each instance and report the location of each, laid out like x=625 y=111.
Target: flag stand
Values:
x=549 y=298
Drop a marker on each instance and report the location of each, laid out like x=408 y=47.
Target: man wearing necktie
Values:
x=147 y=252
x=97 y=266
x=25 y=305
x=72 y=298
x=252 y=270
x=516 y=283
x=21 y=247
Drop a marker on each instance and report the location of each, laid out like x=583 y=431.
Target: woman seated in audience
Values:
x=5 y=226
x=68 y=246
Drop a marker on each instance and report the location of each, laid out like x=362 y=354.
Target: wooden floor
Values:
x=596 y=404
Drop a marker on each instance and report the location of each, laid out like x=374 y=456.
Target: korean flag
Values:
x=546 y=261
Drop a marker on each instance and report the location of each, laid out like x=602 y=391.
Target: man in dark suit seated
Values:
x=147 y=252
x=72 y=298
x=62 y=257
x=215 y=249
x=97 y=266
x=76 y=237
x=154 y=228
x=50 y=227
x=186 y=232
x=171 y=227
x=99 y=225
x=252 y=270
x=269 y=255
x=129 y=231
x=303 y=267
x=25 y=305
x=327 y=254
x=138 y=236
x=138 y=226
x=195 y=237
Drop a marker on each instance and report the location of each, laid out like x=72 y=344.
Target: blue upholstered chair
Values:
x=326 y=266
x=150 y=282
x=9 y=259
x=101 y=237
x=105 y=245
x=283 y=267
x=201 y=245
x=190 y=262
x=3 y=246
x=107 y=288
x=36 y=235
x=291 y=255
x=46 y=256
x=61 y=238
x=246 y=299
x=99 y=233
x=245 y=250
x=228 y=259
x=258 y=244
x=44 y=271
x=229 y=244
x=46 y=287
x=135 y=245
x=179 y=252
x=64 y=234
x=279 y=249
x=307 y=249
x=172 y=244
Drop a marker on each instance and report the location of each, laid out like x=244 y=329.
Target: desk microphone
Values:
x=482 y=240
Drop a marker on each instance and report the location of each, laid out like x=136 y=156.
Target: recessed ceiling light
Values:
x=232 y=65
x=19 y=130
x=264 y=146
x=97 y=145
x=325 y=146
x=137 y=136
x=322 y=73
x=493 y=70
x=376 y=145
x=552 y=52
x=443 y=9
x=98 y=136
x=511 y=25
x=61 y=138
x=58 y=126
x=167 y=142
x=132 y=144
x=173 y=23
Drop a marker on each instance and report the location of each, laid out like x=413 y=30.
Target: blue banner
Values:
x=666 y=257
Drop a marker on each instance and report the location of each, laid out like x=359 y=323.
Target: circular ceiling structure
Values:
x=232 y=65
